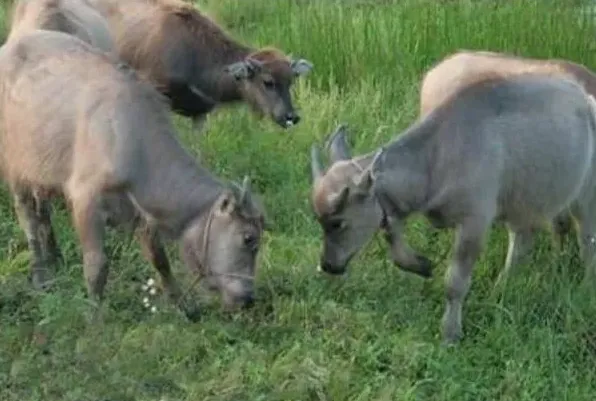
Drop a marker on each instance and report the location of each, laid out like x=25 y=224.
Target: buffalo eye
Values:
x=268 y=83
x=250 y=240
x=335 y=225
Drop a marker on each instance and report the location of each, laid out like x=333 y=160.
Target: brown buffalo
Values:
x=195 y=63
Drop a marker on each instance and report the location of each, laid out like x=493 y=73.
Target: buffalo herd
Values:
x=87 y=92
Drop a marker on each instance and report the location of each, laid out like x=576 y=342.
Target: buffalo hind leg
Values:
x=586 y=238
x=562 y=226
x=470 y=237
x=47 y=236
x=26 y=210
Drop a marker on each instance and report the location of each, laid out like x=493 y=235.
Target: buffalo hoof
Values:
x=41 y=279
x=423 y=267
x=193 y=313
x=448 y=344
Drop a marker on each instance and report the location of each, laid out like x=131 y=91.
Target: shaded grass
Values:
x=372 y=336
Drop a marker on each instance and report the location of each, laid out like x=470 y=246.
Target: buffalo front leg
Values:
x=520 y=243
x=401 y=252
x=153 y=250
x=25 y=208
x=470 y=236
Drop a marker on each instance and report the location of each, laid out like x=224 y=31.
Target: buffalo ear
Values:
x=337 y=145
x=226 y=204
x=316 y=166
x=301 y=66
x=244 y=69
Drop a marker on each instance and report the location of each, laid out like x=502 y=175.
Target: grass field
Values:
x=371 y=336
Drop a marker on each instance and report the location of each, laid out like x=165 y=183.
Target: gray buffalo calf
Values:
x=74 y=122
x=465 y=67
x=518 y=149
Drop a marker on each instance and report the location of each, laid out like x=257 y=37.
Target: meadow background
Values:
x=371 y=336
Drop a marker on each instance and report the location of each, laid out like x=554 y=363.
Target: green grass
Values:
x=372 y=336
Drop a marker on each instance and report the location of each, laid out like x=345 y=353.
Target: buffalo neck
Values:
x=406 y=167
x=175 y=190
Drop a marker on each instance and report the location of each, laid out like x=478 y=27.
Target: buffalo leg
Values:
x=153 y=250
x=47 y=236
x=562 y=226
x=470 y=237
x=402 y=254
x=586 y=236
x=25 y=207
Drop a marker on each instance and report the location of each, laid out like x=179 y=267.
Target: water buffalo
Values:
x=519 y=150
x=465 y=67
x=75 y=122
x=75 y=17
x=195 y=63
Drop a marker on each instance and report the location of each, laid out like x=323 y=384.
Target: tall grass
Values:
x=372 y=336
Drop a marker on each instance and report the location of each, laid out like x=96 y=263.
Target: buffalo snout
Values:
x=244 y=300
x=289 y=119
x=332 y=269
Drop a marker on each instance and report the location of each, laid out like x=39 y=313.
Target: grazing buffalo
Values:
x=518 y=149
x=75 y=122
x=75 y=17
x=196 y=64
x=465 y=67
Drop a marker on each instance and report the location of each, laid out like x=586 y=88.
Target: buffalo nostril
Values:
x=331 y=269
x=292 y=119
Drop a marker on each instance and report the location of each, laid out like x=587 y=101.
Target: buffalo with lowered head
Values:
x=198 y=65
x=75 y=122
x=520 y=149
